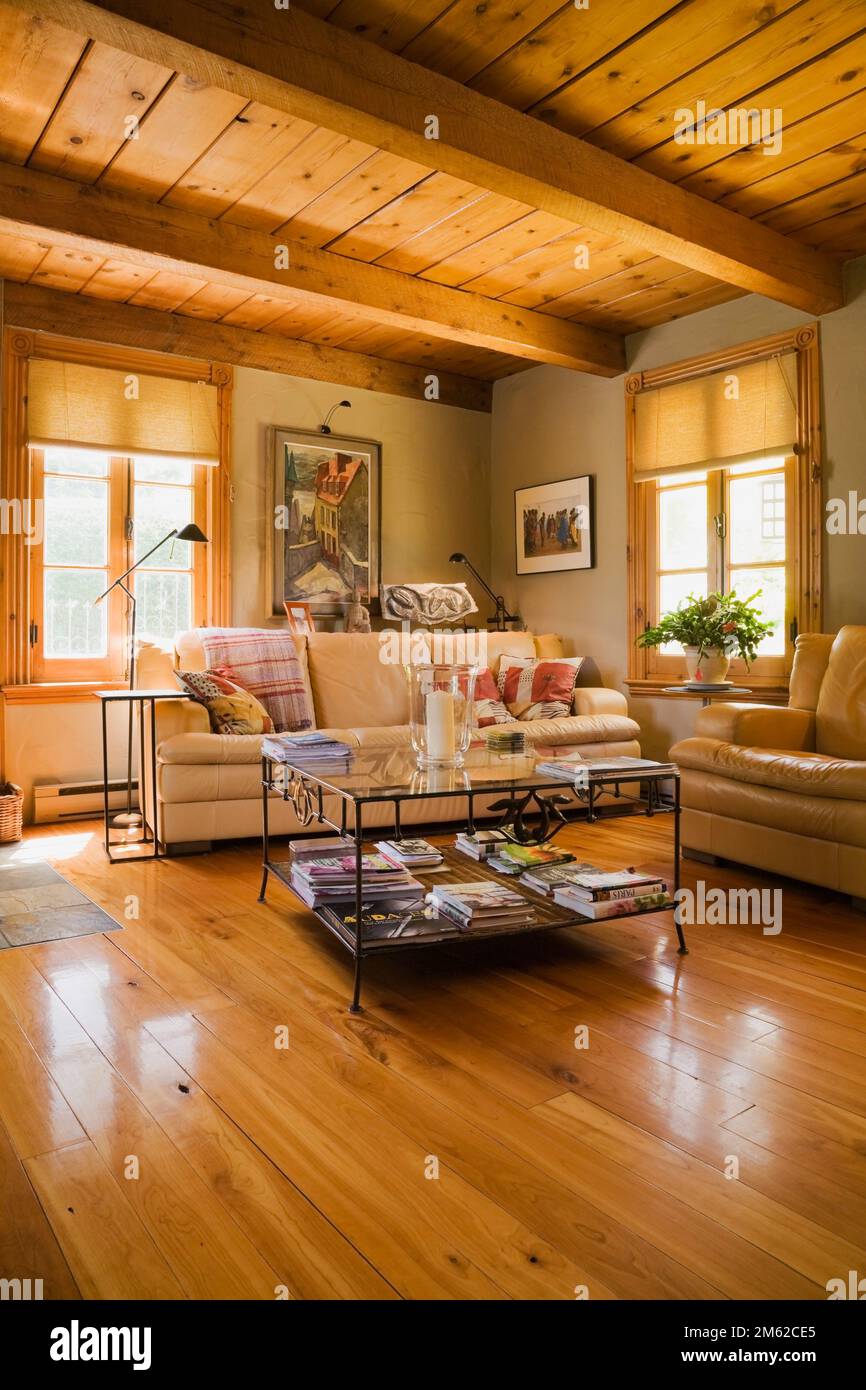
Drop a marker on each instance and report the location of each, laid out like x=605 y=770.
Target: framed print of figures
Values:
x=554 y=526
x=323 y=520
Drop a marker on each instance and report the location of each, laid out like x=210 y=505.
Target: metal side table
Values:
x=139 y=697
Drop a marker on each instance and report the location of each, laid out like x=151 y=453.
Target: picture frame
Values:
x=323 y=522
x=555 y=526
x=300 y=617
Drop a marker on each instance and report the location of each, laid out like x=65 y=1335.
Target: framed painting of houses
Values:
x=554 y=526
x=323 y=520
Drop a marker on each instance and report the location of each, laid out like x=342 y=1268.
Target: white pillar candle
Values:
x=441 y=740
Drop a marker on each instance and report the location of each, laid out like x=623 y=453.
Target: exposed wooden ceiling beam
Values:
x=302 y=65
x=90 y=218
x=102 y=321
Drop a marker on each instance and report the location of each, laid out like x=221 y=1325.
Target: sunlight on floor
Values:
x=50 y=847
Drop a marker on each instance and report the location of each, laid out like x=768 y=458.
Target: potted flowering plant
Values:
x=711 y=631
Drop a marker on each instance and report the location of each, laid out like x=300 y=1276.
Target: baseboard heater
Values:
x=55 y=801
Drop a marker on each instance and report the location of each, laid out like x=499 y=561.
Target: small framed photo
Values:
x=554 y=526
x=300 y=617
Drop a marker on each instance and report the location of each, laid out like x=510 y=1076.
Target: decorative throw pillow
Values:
x=264 y=661
x=489 y=709
x=232 y=709
x=538 y=689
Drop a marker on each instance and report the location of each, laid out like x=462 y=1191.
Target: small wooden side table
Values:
x=706 y=696
x=139 y=697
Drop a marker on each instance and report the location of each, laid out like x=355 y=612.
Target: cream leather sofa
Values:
x=784 y=789
x=209 y=785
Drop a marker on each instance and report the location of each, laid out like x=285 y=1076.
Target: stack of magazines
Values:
x=319 y=846
x=546 y=877
x=387 y=920
x=481 y=905
x=410 y=854
x=331 y=878
x=480 y=845
x=319 y=752
x=599 y=894
x=574 y=765
x=516 y=859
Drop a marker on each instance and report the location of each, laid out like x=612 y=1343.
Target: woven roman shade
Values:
x=91 y=407
x=743 y=413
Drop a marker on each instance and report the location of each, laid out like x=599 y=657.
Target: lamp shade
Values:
x=191 y=533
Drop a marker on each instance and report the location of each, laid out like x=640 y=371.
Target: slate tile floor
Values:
x=37 y=903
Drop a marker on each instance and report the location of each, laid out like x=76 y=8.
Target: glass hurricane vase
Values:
x=441 y=713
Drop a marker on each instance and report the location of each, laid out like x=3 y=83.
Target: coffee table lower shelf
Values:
x=457 y=868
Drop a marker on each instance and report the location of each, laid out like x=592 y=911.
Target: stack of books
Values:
x=481 y=906
x=510 y=741
x=388 y=920
x=410 y=854
x=599 y=894
x=319 y=752
x=549 y=876
x=331 y=878
x=516 y=859
x=480 y=845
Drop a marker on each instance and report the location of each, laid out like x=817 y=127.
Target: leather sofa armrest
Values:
x=758 y=726
x=180 y=717
x=596 y=699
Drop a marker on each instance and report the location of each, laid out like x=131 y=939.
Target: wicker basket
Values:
x=11 y=812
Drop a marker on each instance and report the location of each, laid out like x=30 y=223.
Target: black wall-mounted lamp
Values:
x=325 y=426
x=501 y=617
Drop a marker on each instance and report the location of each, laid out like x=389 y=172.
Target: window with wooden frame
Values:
x=724 y=482
x=100 y=514
x=112 y=449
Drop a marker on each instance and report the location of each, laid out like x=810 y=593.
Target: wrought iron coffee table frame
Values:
x=307 y=793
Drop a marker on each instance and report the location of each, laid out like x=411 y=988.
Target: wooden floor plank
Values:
x=108 y=1249
x=28 y=1245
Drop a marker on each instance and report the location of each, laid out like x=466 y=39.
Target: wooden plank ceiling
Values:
x=613 y=74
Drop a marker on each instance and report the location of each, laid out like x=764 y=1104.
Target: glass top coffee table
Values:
x=530 y=808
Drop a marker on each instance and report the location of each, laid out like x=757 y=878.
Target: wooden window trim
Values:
x=57 y=692
x=214 y=583
x=807 y=501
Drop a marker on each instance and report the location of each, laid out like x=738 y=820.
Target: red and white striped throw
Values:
x=264 y=661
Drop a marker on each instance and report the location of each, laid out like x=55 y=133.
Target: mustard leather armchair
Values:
x=784 y=788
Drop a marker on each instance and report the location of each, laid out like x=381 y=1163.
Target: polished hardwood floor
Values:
x=451 y=1141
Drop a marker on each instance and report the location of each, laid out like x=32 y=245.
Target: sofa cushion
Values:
x=196 y=748
x=353 y=686
x=804 y=774
x=811 y=654
x=841 y=712
x=576 y=729
x=815 y=818
x=501 y=644
x=579 y=729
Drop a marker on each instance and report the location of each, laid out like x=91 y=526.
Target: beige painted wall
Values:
x=550 y=424
x=435 y=499
x=435 y=478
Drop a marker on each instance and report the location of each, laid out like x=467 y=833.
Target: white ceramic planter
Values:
x=711 y=667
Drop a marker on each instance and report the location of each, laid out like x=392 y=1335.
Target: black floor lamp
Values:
x=501 y=616
x=188 y=533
